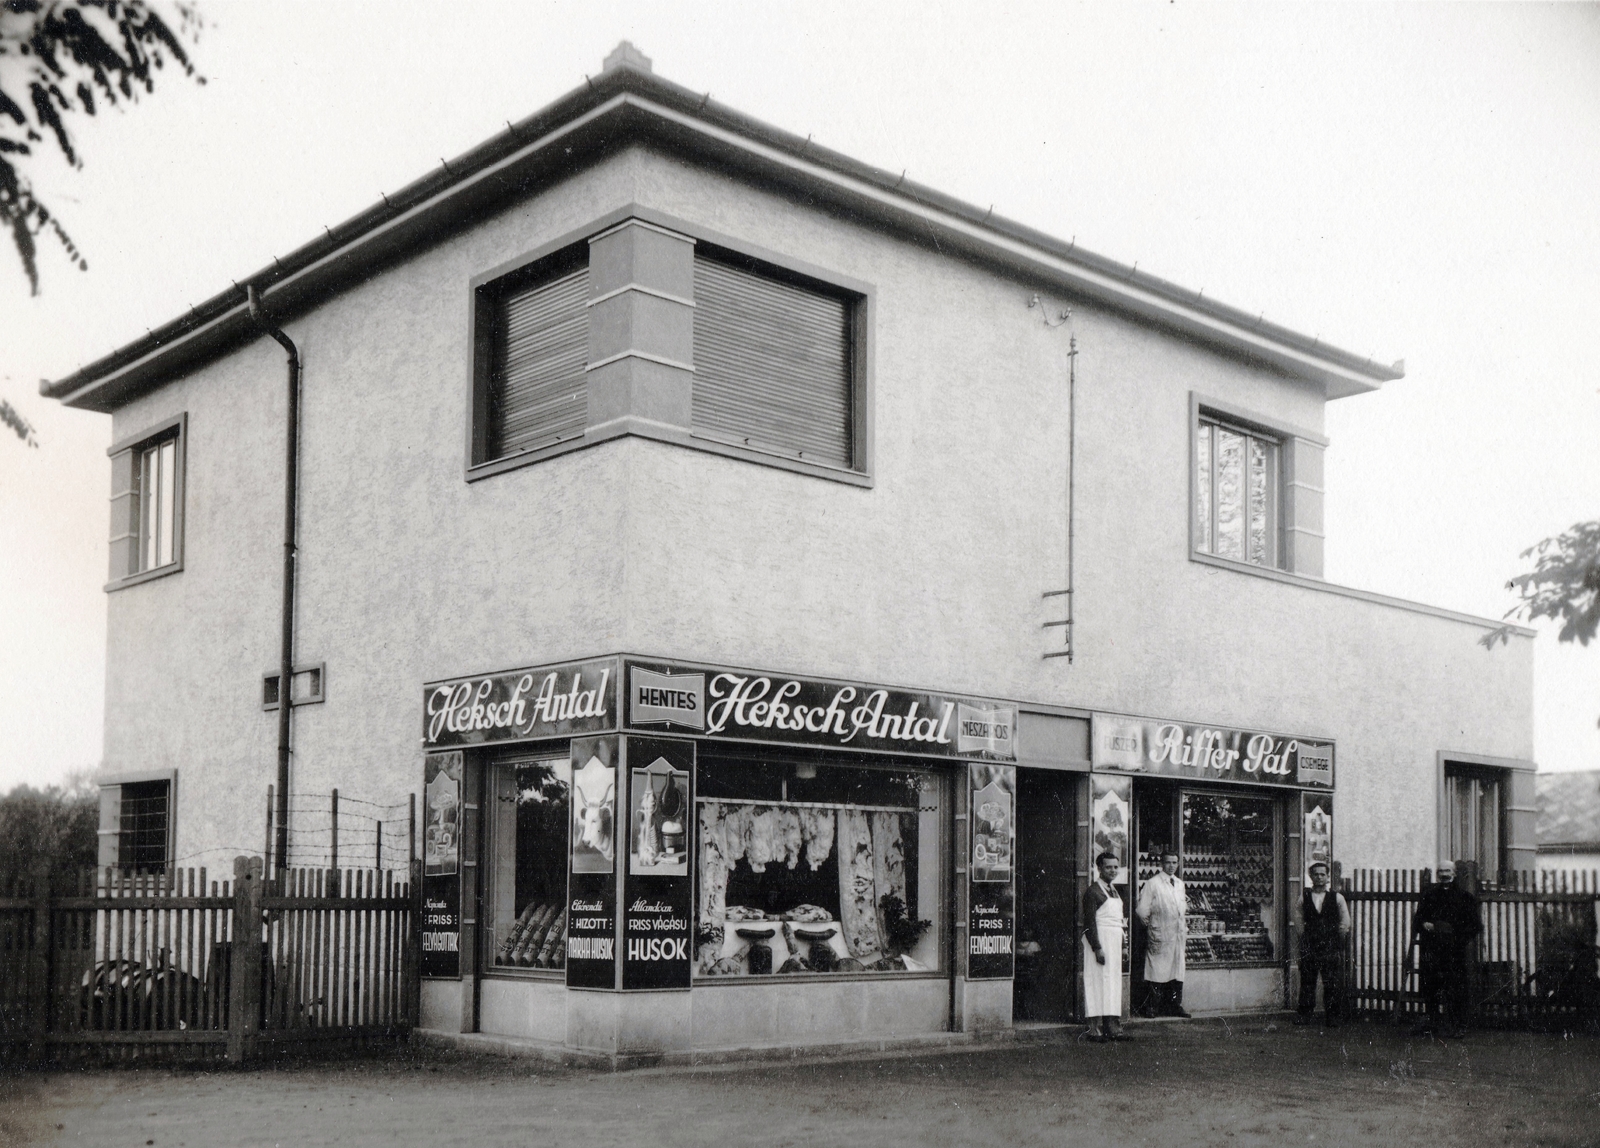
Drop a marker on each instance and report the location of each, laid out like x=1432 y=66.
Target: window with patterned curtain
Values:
x=1237 y=493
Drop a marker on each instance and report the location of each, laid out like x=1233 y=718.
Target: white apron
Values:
x=1163 y=907
x=1102 y=984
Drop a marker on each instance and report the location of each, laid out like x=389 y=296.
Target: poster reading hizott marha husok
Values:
x=991 y=917
x=591 y=880
x=441 y=856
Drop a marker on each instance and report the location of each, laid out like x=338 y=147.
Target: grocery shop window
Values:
x=1229 y=849
x=147 y=478
x=136 y=825
x=526 y=909
x=775 y=360
x=532 y=336
x=1237 y=492
x=1474 y=805
x=810 y=866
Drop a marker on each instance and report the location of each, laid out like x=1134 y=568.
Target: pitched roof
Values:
x=1569 y=808
x=627 y=103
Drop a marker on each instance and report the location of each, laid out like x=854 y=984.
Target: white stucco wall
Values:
x=932 y=578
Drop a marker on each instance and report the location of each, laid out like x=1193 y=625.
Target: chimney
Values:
x=625 y=55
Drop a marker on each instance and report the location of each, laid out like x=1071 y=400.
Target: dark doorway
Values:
x=1046 y=985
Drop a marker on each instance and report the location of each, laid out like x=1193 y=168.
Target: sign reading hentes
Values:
x=1210 y=753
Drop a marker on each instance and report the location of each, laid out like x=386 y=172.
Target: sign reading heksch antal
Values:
x=551 y=701
x=1210 y=753
x=742 y=705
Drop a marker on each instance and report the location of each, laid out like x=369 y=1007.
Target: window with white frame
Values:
x=147 y=480
x=1237 y=485
x=1474 y=804
x=136 y=824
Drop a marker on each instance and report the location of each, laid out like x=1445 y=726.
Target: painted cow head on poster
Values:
x=596 y=819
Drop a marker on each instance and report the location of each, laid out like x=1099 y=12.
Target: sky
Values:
x=1413 y=181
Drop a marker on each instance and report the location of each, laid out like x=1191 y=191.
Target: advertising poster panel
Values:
x=657 y=897
x=441 y=865
x=1316 y=821
x=591 y=880
x=990 y=894
x=1111 y=820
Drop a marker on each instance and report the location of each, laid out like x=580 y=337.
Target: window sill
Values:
x=1306 y=582
x=701 y=981
x=144 y=576
x=676 y=436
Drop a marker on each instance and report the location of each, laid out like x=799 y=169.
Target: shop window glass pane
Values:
x=1202 y=485
x=527 y=911
x=1230 y=870
x=1230 y=495
x=1260 y=523
x=811 y=867
x=1489 y=829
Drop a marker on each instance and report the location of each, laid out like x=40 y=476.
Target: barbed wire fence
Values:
x=336 y=830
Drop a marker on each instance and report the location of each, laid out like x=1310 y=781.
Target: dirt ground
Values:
x=1255 y=1083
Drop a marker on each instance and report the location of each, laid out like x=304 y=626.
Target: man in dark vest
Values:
x=1446 y=924
x=1324 y=925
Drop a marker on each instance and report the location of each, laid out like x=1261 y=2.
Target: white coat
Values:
x=1163 y=907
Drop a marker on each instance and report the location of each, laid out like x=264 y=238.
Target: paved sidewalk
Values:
x=1223 y=1083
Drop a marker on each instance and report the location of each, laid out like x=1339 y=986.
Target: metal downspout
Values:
x=291 y=471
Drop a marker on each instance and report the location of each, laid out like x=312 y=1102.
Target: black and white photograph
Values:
x=884 y=574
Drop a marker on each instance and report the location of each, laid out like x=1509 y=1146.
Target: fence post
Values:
x=244 y=989
x=414 y=945
x=39 y=971
x=1469 y=878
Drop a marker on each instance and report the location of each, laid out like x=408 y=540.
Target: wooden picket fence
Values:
x=130 y=965
x=1538 y=960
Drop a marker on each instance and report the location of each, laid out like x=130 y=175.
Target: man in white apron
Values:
x=1163 y=907
x=1102 y=954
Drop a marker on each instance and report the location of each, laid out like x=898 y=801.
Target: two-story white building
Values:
x=776 y=581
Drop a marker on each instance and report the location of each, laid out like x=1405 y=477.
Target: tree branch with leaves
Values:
x=64 y=58
x=1564 y=585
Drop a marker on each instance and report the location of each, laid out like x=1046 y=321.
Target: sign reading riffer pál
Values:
x=441 y=869
x=802 y=711
x=1210 y=753
x=657 y=899
x=556 y=701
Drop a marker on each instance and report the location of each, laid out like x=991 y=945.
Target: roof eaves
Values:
x=96 y=385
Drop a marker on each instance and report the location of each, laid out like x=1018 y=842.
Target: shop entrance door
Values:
x=1046 y=984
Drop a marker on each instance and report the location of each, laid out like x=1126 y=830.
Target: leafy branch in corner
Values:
x=1564 y=585
x=11 y=417
x=60 y=58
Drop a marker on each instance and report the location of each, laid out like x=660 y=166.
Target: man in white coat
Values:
x=1163 y=908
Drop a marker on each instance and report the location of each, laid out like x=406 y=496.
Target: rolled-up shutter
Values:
x=540 y=348
x=772 y=364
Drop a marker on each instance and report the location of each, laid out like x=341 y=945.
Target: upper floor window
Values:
x=535 y=327
x=147 y=503
x=1237 y=492
x=643 y=329
x=773 y=361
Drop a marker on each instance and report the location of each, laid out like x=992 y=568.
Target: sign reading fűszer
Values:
x=555 y=701
x=804 y=711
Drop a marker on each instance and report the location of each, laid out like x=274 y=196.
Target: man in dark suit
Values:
x=1446 y=926
x=1324 y=925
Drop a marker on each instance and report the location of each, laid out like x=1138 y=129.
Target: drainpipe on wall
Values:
x=291 y=468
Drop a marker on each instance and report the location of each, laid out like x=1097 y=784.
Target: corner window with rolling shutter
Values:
x=774 y=361
x=536 y=330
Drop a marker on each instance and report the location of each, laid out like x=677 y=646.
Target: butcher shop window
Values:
x=526 y=919
x=814 y=867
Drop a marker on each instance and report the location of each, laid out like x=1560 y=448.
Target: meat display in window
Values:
x=858 y=901
x=816 y=828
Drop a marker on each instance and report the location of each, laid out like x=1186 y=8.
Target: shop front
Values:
x=1245 y=812
x=638 y=856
